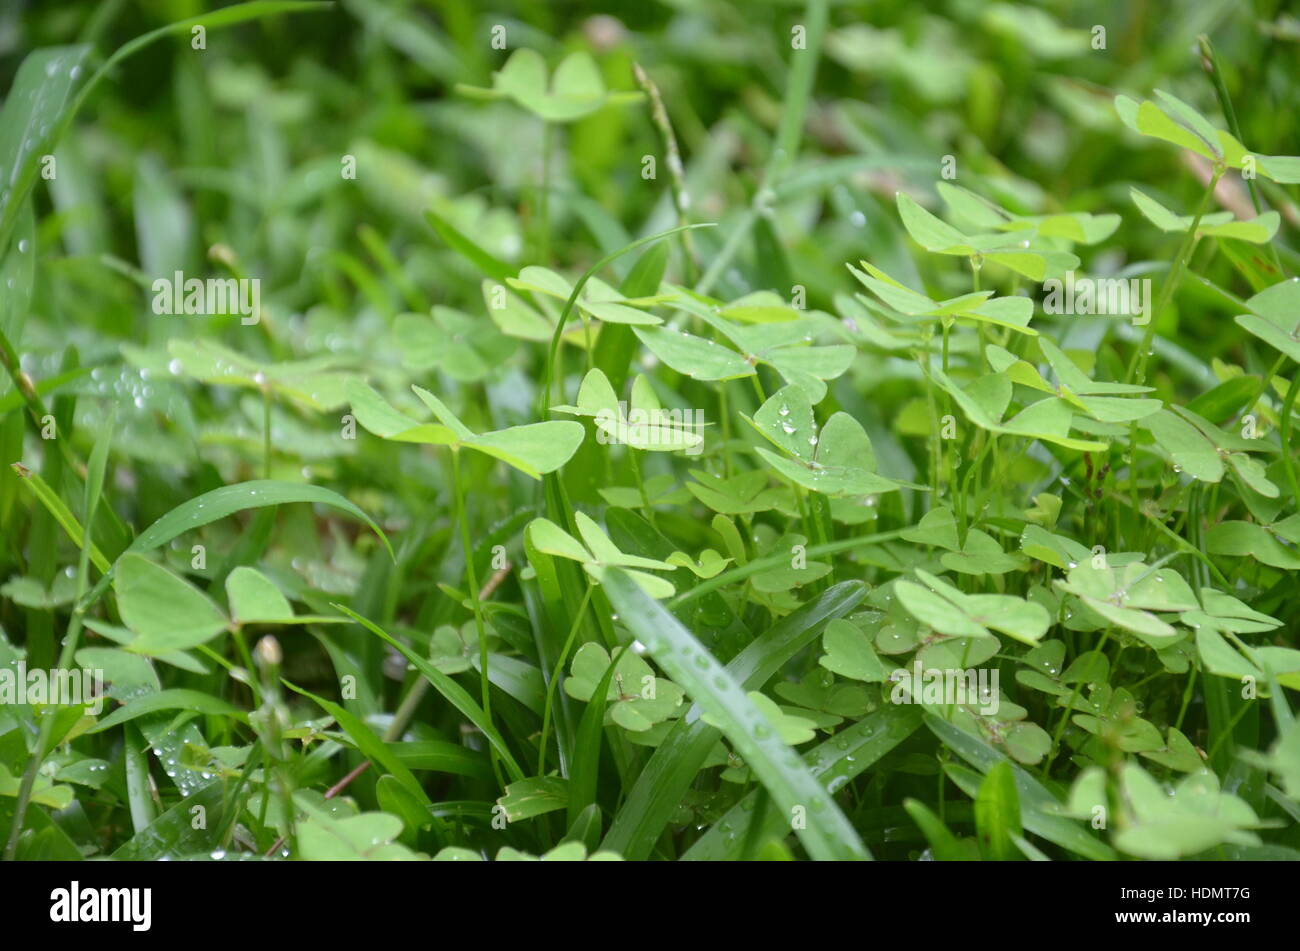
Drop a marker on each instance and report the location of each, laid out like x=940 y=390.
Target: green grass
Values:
x=677 y=436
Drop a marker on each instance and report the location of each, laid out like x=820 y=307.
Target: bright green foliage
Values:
x=712 y=431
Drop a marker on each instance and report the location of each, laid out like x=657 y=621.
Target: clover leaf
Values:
x=979 y=555
x=984 y=215
x=786 y=346
x=636 y=699
x=314 y=383
x=1175 y=121
x=836 y=461
x=957 y=614
x=1170 y=823
x=645 y=424
x=985 y=401
x=848 y=652
x=1199 y=448
x=465 y=348
x=1129 y=596
x=791 y=728
x=163 y=610
x=367 y=836
x=1101 y=401
x=1010 y=249
x=576 y=89
x=1258 y=230
x=597 y=299
x=709 y=564
x=1275 y=317
x=741 y=494
x=598 y=553
x=533 y=449
x=1014 y=313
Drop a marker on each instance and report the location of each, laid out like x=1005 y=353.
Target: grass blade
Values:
x=818 y=821
x=834 y=762
x=666 y=777
x=453 y=691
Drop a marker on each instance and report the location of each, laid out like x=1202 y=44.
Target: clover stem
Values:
x=725 y=413
x=266 y=432
x=556 y=671
x=70 y=640
x=1210 y=63
x=1268 y=378
x=543 y=202
x=640 y=485
x=1137 y=369
x=933 y=441
x=484 y=684
x=1069 y=708
x=1284 y=431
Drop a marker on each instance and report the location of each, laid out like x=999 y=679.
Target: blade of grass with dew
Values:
x=586 y=760
x=61 y=513
x=834 y=762
x=227 y=500
x=660 y=786
x=824 y=830
x=368 y=744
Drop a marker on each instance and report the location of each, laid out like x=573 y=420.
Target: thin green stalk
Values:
x=555 y=678
x=544 y=199
x=545 y=394
x=37 y=411
x=94 y=484
x=471 y=573
x=676 y=173
x=266 y=432
x=933 y=410
x=1187 y=698
x=803 y=70
x=1137 y=369
x=640 y=486
x=1284 y=432
x=1210 y=63
x=1069 y=709
x=1268 y=378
